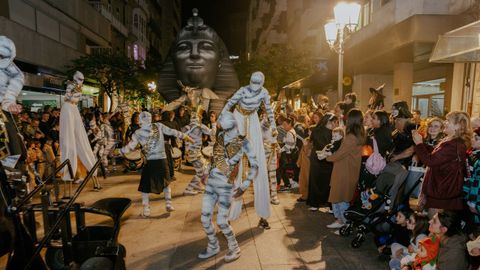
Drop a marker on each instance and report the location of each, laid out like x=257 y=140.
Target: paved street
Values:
x=298 y=238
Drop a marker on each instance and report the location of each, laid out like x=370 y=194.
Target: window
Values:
x=135 y=52
x=135 y=21
x=366 y=14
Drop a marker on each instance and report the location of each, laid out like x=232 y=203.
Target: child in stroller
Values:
x=380 y=204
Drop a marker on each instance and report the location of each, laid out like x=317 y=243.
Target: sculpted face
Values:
x=196 y=61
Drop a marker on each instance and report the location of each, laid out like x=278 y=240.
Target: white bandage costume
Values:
x=247 y=100
x=228 y=151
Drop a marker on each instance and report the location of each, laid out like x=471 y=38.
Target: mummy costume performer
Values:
x=74 y=144
x=248 y=100
x=271 y=149
x=108 y=140
x=229 y=149
x=193 y=152
x=11 y=83
x=155 y=174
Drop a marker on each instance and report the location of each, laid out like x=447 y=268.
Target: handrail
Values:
x=42 y=184
x=65 y=210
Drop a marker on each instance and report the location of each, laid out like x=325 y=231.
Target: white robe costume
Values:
x=74 y=142
x=248 y=100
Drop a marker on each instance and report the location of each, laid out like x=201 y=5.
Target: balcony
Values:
x=109 y=16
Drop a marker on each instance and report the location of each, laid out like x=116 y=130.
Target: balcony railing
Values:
x=109 y=16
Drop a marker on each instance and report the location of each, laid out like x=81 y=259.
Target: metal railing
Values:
x=65 y=210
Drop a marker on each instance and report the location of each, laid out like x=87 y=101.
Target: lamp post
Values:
x=346 y=20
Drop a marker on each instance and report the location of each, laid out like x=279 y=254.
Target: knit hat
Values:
x=473 y=244
x=432 y=246
x=400 y=110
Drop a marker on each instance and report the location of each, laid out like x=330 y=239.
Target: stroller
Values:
x=388 y=195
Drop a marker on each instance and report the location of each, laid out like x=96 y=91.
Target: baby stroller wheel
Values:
x=346 y=230
x=358 y=240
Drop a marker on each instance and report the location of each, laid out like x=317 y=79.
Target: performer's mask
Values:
x=7 y=52
x=256 y=80
x=78 y=77
x=145 y=119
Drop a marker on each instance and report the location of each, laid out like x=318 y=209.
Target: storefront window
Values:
x=428 y=97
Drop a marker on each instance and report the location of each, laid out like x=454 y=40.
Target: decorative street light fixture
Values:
x=152 y=86
x=346 y=20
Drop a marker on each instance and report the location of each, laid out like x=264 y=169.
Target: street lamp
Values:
x=152 y=86
x=346 y=20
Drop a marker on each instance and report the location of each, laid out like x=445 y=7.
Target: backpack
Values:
x=375 y=162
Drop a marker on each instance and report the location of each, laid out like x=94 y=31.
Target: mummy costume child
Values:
x=74 y=144
x=155 y=174
x=228 y=151
x=193 y=152
x=246 y=102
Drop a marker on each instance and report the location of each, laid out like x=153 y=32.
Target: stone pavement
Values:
x=298 y=238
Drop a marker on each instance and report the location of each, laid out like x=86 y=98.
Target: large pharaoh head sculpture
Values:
x=198 y=58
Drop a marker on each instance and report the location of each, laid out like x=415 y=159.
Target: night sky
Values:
x=219 y=14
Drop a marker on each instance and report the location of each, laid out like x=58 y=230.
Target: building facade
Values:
x=49 y=34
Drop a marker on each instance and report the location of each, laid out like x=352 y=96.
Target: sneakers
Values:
x=208 y=252
x=335 y=225
x=190 y=192
x=146 y=211
x=313 y=209
x=275 y=201
x=263 y=223
x=285 y=189
x=232 y=255
x=295 y=185
x=169 y=207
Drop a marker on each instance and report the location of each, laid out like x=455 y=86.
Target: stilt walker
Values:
x=155 y=174
x=228 y=150
x=246 y=102
x=74 y=144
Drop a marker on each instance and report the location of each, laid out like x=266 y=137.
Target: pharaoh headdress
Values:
x=226 y=80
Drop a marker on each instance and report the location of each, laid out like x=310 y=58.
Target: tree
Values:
x=280 y=64
x=112 y=71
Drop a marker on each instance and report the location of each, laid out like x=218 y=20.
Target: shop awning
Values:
x=459 y=45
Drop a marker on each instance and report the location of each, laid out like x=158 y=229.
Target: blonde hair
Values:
x=339 y=130
x=464 y=132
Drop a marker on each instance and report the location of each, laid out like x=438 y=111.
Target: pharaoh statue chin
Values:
x=197 y=70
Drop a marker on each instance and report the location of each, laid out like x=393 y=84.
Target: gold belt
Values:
x=243 y=111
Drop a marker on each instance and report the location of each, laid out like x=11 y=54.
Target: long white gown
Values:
x=74 y=143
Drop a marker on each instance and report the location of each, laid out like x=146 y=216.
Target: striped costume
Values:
x=228 y=150
x=271 y=151
x=155 y=174
x=246 y=102
x=193 y=152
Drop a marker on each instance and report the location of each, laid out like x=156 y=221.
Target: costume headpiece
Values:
x=145 y=119
x=256 y=80
x=7 y=50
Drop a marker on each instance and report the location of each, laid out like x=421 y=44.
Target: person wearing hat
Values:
x=155 y=174
x=376 y=99
x=246 y=102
